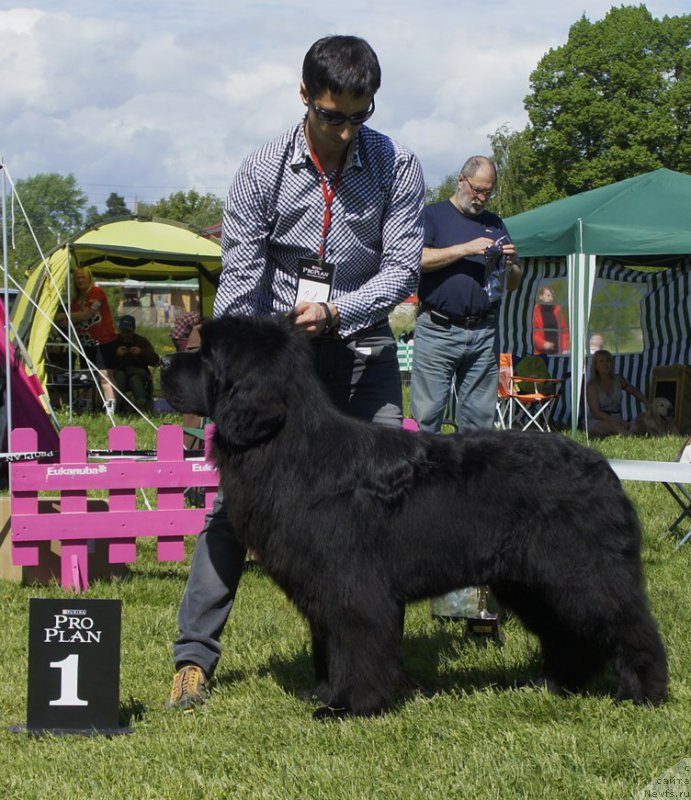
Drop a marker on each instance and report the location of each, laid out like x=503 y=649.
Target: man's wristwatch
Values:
x=331 y=324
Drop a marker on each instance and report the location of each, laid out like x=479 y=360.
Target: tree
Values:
x=54 y=205
x=195 y=209
x=116 y=206
x=520 y=185
x=612 y=102
x=436 y=194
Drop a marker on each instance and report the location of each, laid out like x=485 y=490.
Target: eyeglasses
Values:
x=336 y=118
x=488 y=194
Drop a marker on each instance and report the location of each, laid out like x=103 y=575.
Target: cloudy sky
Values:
x=148 y=97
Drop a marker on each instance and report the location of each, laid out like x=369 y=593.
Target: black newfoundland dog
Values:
x=352 y=519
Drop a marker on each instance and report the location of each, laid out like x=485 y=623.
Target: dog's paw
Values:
x=328 y=714
x=411 y=685
x=317 y=694
x=542 y=682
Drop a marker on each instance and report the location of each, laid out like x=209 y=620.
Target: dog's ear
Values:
x=249 y=412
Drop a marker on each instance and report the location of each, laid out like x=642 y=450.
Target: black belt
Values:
x=448 y=320
x=334 y=336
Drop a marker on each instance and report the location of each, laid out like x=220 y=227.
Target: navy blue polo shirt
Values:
x=457 y=289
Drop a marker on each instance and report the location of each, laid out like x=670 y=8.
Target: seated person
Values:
x=603 y=394
x=182 y=329
x=134 y=355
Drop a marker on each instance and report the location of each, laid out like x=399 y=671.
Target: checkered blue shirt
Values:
x=274 y=214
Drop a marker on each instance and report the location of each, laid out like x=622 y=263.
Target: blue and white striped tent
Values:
x=642 y=221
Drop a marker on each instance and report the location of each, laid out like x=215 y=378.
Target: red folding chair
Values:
x=524 y=401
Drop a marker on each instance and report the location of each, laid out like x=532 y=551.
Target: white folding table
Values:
x=674 y=475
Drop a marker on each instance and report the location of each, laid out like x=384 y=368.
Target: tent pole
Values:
x=70 y=333
x=576 y=341
x=5 y=273
x=575 y=322
x=581 y=269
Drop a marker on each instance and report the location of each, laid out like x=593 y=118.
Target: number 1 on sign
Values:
x=69 y=669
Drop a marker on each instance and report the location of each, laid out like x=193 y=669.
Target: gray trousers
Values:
x=363 y=379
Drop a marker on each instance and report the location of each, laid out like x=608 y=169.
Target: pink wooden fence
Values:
x=75 y=476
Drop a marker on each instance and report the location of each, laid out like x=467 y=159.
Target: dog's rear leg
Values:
x=612 y=623
x=569 y=660
x=640 y=661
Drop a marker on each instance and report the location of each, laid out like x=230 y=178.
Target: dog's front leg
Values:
x=364 y=651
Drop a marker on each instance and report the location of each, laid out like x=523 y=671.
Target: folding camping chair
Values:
x=526 y=400
x=58 y=377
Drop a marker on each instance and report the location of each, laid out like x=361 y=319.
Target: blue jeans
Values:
x=442 y=354
x=363 y=379
x=469 y=356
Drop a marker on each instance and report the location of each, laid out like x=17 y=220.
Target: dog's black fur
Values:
x=351 y=519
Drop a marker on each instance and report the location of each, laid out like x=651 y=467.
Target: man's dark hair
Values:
x=341 y=64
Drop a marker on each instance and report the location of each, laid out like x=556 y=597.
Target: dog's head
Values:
x=237 y=377
x=661 y=409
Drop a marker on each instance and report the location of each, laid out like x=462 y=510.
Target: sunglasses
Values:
x=337 y=118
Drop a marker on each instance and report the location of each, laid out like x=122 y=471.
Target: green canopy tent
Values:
x=134 y=247
x=643 y=221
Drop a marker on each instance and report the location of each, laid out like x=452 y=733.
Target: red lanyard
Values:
x=329 y=195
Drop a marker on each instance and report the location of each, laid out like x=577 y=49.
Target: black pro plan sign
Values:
x=74 y=665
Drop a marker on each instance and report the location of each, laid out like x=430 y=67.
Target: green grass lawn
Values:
x=478 y=738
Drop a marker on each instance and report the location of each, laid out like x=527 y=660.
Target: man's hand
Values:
x=312 y=318
x=509 y=251
x=476 y=247
x=515 y=275
x=434 y=258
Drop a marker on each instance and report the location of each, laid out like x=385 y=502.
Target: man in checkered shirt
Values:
x=329 y=198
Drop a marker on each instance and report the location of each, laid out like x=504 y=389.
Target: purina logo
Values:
x=73 y=612
x=99 y=470
x=672 y=784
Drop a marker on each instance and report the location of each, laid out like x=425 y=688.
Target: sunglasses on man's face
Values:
x=337 y=118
